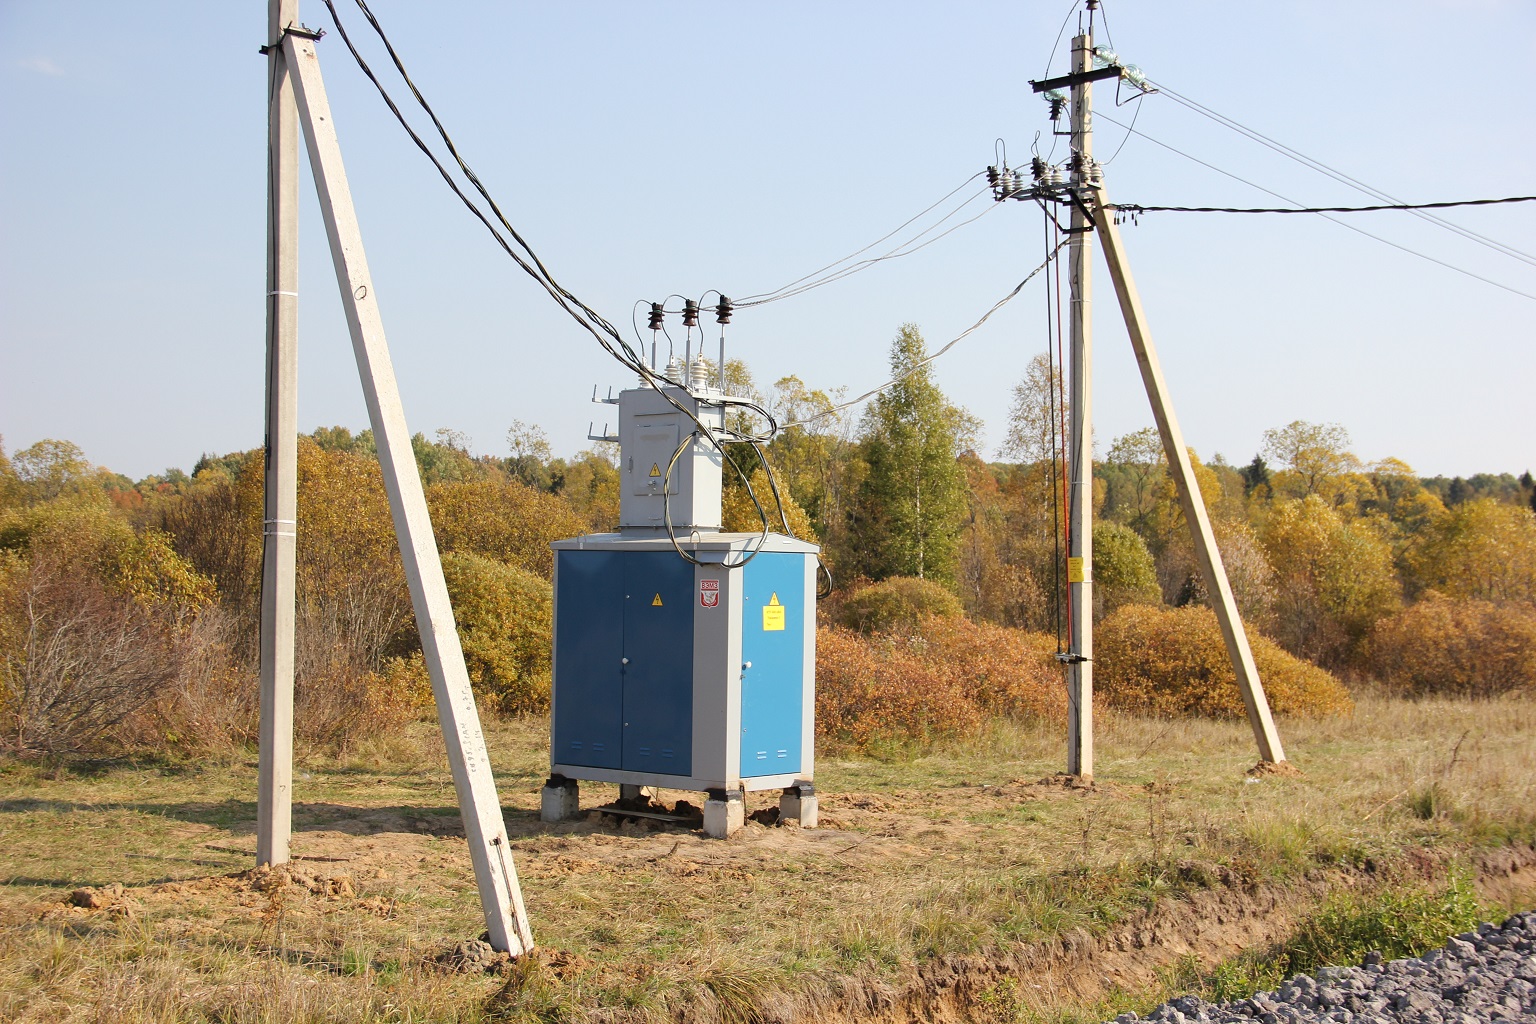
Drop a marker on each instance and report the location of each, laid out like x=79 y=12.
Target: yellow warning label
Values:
x=1075 y=570
x=655 y=469
x=656 y=601
x=773 y=615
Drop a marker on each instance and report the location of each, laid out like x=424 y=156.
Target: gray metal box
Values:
x=651 y=430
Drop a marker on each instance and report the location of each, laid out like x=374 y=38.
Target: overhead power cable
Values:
x=872 y=392
x=839 y=269
x=1337 y=175
x=1139 y=208
x=604 y=332
x=1334 y=220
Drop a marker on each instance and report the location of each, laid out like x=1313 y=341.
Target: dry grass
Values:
x=970 y=849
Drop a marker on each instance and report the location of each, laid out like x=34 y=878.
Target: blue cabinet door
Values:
x=774 y=621
x=658 y=670
x=589 y=646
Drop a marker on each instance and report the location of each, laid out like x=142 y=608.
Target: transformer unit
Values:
x=683 y=659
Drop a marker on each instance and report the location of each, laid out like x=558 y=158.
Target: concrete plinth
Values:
x=560 y=799
x=724 y=812
x=799 y=803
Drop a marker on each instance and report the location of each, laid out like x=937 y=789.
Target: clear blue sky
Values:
x=646 y=149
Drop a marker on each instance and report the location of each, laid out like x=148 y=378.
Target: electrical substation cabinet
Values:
x=685 y=676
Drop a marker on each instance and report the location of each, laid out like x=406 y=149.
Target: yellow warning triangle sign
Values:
x=775 y=598
x=655 y=469
x=656 y=601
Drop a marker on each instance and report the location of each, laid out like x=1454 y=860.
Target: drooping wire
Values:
x=1050 y=477
x=915 y=367
x=1059 y=384
x=606 y=335
x=1344 y=224
x=837 y=270
x=1337 y=175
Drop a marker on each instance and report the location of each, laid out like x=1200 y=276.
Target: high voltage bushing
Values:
x=656 y=316
x=723 y=310
x=690 y=313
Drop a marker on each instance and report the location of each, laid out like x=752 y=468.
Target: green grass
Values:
x=969 y=850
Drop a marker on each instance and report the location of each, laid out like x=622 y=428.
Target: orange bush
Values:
x=1468 y=646
x=898 y=604
x=1173 y=661
x=944 y=681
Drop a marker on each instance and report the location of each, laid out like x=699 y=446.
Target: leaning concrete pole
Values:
x=274 y=798
x=500 y=895
x=1189 y=490
x=1080 y=455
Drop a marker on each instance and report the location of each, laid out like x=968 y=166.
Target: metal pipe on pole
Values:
x=274 y=799
x=1079 y=658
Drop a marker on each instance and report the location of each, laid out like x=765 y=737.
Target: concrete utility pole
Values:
x=1091 y=213
x=298 y=100
x=1079 y=657
x=1190 y=500
x=274 y=797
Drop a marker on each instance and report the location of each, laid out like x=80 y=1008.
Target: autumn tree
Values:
x=1479 y=549
x=1334 y=579
x=911 y=505
x=1139 y=458
x=1036 y=414
x=53 y=469
x=1316 y=455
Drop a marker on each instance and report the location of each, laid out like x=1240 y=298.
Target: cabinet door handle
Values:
x=623 y=661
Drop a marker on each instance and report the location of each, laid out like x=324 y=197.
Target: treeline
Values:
x=129 y=610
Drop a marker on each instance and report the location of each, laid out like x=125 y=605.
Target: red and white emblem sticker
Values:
x=709 y=593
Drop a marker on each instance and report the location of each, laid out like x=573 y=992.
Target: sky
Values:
x=647 y=150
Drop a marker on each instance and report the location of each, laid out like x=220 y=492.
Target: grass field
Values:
x=949 y=867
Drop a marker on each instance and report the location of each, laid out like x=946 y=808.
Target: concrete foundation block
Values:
x=560 y=800
x=724 y=812
x=628 y=792
x=798 y=803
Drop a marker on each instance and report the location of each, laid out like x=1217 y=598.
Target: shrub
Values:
x=1123 y=570
x=505 y=621
x=76 y=658
x=503 y=519
x=942 y=680
x=1173 y=661
x=895 y=605
x=1447 y=646
x=872 y=689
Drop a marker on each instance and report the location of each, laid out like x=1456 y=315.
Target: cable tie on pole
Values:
x=290 y=294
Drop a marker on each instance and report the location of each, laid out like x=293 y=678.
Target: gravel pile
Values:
x=1486 y=975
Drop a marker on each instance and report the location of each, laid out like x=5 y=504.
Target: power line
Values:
x=872 y=392
x=1334 y=220
x=590 y=320
x=1138 y=208
x=1336 y=175
x=817 y=278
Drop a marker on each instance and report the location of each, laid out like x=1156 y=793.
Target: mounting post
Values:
x=1190 y=501
x=274 y=797
x=1079 y=662
x=500 y=895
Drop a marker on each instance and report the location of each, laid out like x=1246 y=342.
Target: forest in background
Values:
x=129 y=610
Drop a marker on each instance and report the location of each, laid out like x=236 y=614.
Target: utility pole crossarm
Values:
x=1190 y=501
